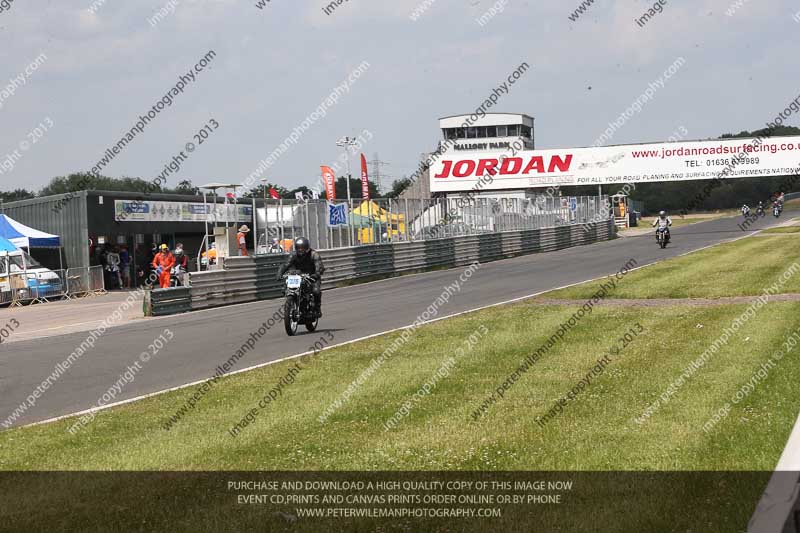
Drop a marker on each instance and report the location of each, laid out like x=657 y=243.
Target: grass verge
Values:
x=603 y=429
x=740 y=268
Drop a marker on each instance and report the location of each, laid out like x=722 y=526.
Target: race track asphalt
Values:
x=203 y=340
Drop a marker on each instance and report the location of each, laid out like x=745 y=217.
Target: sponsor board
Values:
x=153 y=211
x=639 y=163
x=337 y=215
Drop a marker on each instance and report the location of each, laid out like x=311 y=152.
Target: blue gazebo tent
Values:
x=6 y=246
x=23 y=236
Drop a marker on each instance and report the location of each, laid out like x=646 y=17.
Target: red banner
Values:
x=330 y=182
x=364 y=178
x=274 y=194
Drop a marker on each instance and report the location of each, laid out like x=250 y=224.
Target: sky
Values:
x=106 y=64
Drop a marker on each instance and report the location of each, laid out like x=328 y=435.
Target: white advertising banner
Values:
x=153 y=211
x=639 y=163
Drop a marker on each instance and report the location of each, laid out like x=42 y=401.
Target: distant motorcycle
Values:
x=745 y=211
x=176 y=275
x=299 y=307
x=760 y=211
x=776 y=210
x=662 y=237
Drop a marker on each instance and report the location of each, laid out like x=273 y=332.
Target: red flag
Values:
x=329 y=179
x=230 y=195
x=274 y=194
x=364 y=178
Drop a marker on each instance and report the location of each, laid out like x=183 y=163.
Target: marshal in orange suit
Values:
x=163 y=262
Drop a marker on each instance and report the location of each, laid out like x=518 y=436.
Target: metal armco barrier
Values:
x=248 y=279
x=170 y=301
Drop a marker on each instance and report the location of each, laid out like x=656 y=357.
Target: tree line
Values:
x=696 y=195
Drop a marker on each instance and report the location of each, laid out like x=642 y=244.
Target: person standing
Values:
x=241 y=240
x=125 y=267
x=112 y=265
x=163 y=262
x=182 y=261
x=143 y=264
x=275 y=247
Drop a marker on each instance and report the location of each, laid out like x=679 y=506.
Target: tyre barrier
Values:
x=249 y=279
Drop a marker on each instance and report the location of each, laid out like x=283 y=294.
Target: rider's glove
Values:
x=159 y=270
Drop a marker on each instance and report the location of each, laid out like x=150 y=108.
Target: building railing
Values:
x=384 y=221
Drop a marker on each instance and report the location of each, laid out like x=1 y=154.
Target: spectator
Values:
x=125 y=267
x=143 y=263
x=241 y=241
x=112 y=267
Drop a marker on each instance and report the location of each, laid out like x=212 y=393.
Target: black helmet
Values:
x=301 y=246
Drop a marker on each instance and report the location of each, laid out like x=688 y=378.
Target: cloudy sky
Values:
x=274 y=66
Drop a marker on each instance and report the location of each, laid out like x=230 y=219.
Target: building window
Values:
x=513 y=131
x=491 y=131
x=460 y=134
x=472 y=133
x=450 y=133
x=501 y=131
x=482 y=132
x=526 y=131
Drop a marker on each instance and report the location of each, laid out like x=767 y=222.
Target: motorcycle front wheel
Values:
x=290 y=313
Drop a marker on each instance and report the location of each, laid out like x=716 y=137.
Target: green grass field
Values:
x=741 y=268
x=595 y=432
x=784 y=229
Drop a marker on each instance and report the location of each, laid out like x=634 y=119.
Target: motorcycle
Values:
x=760 y=211
x=299 y=307
x=745 y=211
x=776 y=211
x=176 y=275
x=662 y=237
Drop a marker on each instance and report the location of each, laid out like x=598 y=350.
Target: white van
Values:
x=40 y=280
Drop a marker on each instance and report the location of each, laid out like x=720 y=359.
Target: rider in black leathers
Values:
x=307 y=261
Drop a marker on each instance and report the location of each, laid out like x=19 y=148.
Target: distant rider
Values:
x=307 y=261
x=760 y=208
x=745 y=210
x=663 y=222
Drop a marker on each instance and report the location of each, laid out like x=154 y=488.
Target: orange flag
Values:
x=330 y=182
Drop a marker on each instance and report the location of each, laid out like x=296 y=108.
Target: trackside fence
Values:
x=248 y=279
x=25 y=288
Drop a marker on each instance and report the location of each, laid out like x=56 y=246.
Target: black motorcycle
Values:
x=776 y=210
x=760 y=211
x=662 y=237
x=300 y=307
